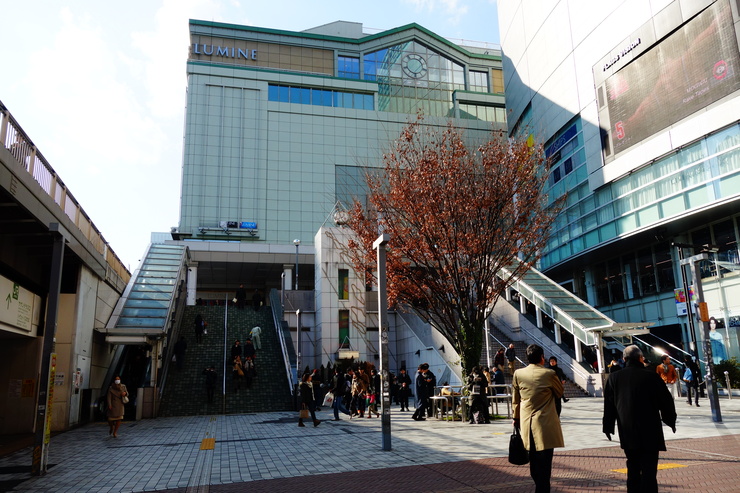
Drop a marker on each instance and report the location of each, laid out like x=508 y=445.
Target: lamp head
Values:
x=296 y=242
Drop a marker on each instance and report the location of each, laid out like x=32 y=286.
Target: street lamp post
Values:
x=298 y=361
x=282 y=290
x=297 y=243
x=385 y=408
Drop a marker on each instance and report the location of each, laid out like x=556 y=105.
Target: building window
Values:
x=482 y=112
x=497 y=80
x=343 y=285
x=344 y=329
x=478 y=81
x=320 y=97
x=647 y=271
x=635 y=274
x=348 y=67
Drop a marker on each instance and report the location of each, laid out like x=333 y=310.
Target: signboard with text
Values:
x=19 y=307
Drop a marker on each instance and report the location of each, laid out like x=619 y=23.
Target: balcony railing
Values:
x=13 y=138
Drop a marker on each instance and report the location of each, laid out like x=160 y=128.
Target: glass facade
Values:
x=695 y=176
x=724 y=237
x=635 y=274
x=319 y=97
x=412 y=77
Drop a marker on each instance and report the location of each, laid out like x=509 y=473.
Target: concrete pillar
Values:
x=579 y=352
x=522 y=304
x=558 y=334
x=538 y=313
x=192 y=283
x=288 y=277
x=600 y=352
x=508 y=294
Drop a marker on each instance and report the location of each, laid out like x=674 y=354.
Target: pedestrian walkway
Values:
x=268 y=452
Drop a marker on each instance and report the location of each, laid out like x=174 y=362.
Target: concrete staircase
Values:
x=571 y=389
x=185 y=393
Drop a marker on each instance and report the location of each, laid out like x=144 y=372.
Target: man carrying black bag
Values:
x=518 y=455
x=535 y=389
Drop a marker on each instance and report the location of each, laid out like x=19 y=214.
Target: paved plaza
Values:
x=268 y=452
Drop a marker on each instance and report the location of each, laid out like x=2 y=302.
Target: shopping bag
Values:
x=518 y=455
x=328 y=400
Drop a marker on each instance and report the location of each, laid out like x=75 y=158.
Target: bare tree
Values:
x=455 y=216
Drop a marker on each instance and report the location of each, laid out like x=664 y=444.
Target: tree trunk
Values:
x=470 y=346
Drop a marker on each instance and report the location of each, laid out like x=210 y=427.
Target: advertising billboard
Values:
x=688 y=70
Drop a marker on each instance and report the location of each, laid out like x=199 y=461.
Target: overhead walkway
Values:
x=145 y=310
x=146 y=319
x=568 y=311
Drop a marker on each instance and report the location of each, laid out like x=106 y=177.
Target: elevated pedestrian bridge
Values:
x=148 y=307
x=145 y=322
x=567 y=311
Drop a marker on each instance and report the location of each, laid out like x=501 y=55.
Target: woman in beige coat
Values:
x=535 y=389
x=115 y=400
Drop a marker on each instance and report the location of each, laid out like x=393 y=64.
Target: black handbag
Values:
x=518 y=455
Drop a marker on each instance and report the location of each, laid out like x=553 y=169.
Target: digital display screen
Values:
x=690 y=69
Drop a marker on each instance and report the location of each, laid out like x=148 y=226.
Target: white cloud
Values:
x=455 y=10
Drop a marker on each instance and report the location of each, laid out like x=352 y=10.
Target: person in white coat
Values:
x=255 y=335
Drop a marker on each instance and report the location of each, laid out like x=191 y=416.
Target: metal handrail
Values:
x=668 y=343
x=277 y=318
x=503 y=344
x=586 y=378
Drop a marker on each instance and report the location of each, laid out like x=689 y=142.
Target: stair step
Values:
x=185 y=390
x=571 y=389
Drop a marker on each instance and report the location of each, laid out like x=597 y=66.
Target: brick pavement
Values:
x=710 y=465
x=268 y=452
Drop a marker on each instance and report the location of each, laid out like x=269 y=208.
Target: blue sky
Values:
x=100 y=88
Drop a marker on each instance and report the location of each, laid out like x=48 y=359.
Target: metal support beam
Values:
x=43 y=403
x=706 y=341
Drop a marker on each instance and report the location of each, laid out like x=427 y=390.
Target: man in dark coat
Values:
x=422 y=396
x=338 y=387
x=638 y=400
x=404 y=389
x=510 y=354
x=431 y=381
x=180 y=347
x=241 y=297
